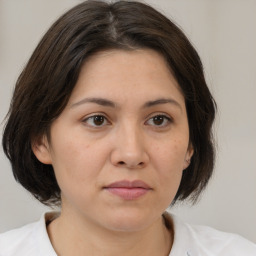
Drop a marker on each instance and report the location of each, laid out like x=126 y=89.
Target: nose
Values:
x=129 y=149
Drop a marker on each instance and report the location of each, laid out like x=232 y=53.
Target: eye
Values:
x=159 y=121
x=96 y=121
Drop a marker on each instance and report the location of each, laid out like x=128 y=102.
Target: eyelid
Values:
x=86 y=118
x=166 y=116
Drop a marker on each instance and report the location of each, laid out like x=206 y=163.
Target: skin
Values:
x=124 y=142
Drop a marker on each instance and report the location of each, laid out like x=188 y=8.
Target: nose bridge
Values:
x=129 y=147
x=130 y=139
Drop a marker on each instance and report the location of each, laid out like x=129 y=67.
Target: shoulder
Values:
x=202 y=240
x=18 y=240
x=221 y=243
x=29 y=240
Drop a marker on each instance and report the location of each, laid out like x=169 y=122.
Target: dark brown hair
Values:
x=46 y=83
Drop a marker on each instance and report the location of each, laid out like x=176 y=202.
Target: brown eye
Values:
x=159 y=121
x=96 y=121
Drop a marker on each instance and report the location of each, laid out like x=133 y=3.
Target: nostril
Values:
x=132 y=166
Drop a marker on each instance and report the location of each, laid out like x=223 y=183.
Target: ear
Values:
x=188 y=156
x=41 y=149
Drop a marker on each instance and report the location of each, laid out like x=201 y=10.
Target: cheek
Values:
x=173 y=151
x=77 y=167
x=76 y=162
x=169 y=159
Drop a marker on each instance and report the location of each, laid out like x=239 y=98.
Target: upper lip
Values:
x=129 y=184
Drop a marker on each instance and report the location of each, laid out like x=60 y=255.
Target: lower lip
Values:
x=128 y=193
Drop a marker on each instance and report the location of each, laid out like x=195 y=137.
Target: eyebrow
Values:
x=109 y=103
x=161 y=101
x=99 y=101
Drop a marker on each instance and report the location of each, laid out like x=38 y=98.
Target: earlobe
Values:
x=41 y=149
x=188 y=157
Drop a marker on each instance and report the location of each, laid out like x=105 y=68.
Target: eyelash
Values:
x=166 y=119
x=93 y=117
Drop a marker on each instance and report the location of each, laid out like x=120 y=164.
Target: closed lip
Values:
x=128 y=190
x=129 y=184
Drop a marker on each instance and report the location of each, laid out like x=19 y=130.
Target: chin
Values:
x=130 y=221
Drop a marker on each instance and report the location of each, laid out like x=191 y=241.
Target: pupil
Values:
x=158 y=120
x=98 y=120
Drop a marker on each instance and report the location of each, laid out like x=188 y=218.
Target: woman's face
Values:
x=119 y=147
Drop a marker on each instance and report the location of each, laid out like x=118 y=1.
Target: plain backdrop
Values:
x=224 y=33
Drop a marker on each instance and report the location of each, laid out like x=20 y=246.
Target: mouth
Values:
x=128 y=190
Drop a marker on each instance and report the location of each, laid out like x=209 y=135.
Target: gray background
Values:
x=224 y=33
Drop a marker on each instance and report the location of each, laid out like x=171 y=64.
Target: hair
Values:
x=47 y=81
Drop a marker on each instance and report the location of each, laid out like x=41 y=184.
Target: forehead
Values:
x=116 y=73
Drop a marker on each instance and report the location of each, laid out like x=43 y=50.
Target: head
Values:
x=46 y=84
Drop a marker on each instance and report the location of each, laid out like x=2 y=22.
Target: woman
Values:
x=111 y=120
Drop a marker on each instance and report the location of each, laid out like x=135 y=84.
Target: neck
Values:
x=72 y=236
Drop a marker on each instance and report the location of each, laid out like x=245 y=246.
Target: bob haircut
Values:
x=46 y=83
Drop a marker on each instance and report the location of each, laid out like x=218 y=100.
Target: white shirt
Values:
x=189 y=240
